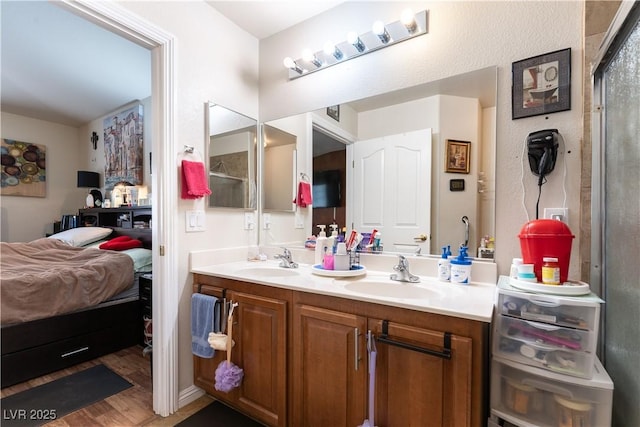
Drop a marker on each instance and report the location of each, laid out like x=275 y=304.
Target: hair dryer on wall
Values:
x=542 y=149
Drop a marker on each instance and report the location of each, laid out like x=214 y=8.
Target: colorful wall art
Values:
x=23 y=169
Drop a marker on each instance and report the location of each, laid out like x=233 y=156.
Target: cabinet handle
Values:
x=445 y=353
x=356 y=352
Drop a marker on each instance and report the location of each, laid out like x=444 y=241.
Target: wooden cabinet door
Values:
x=329 y=368
x=260 y=336
x=260 y=333
x=418 y=389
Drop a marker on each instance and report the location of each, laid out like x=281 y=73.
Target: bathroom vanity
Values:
x=301 y=341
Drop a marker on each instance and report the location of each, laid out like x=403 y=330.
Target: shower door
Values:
x=616 y=208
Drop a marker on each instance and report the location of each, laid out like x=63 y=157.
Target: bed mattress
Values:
x=47 y=277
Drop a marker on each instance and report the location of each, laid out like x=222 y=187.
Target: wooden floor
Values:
x=129 y=408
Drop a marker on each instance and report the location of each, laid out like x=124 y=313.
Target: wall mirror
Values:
x=231 y=158
x=279 y=168
x=460 y=108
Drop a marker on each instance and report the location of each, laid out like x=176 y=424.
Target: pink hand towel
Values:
x=194 y=180
x=303 y=198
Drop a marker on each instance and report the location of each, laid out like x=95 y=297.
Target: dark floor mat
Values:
x=218 y=415
x=54 y=400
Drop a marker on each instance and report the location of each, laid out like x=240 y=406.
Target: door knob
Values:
x=420 y=238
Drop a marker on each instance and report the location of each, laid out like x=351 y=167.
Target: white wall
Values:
x=28 y=218
x=217 y=62
x=463 y=36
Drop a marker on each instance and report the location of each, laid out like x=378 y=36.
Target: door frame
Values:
x=118 y=20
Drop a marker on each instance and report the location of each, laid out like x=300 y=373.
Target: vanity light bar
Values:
x=379 y=37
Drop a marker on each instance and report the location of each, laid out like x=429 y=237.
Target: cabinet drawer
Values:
x=528 y=396
x=555 y=348
x=570 y=312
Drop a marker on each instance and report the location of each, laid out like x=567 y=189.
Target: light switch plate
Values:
x=195 y=221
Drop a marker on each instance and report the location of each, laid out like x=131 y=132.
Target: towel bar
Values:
x=445 y=353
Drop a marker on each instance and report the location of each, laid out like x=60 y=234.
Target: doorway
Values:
x=120 y=21
x=329 y=181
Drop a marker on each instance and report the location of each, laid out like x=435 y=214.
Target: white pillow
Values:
x=82 y=236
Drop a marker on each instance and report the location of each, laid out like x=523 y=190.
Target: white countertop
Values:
x=473 y=301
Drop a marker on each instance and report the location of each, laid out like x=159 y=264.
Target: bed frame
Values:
x=42 y=346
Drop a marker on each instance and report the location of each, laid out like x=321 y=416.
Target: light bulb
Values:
x=331 y=49
x=408 y=19
x=309 y=56
x=291 y=64
x=380 y=30
x=354 y=39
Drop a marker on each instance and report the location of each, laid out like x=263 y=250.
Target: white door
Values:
x=392 y=189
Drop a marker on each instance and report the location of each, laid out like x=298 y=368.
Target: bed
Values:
x=65 y=301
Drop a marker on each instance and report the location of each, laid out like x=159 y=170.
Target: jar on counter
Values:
x=550 y=271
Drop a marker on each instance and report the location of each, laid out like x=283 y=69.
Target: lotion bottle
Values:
x=333 y=239
x=321 y=243
x=444 y=266
x=461 y=267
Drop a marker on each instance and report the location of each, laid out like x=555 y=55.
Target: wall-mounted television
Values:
x=326 y=188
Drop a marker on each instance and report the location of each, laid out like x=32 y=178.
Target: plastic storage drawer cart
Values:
x=556 y=333
x=528 y=396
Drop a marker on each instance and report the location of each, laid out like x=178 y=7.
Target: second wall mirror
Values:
x=231 y=158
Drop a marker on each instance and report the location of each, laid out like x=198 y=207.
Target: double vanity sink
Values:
x=302 y=334
x=473 y=301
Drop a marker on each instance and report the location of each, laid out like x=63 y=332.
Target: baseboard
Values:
x=189 y=395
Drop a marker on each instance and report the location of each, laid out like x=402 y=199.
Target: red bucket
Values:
x=546 y=238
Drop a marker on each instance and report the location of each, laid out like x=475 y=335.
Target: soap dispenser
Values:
x=322 y=242
x=461 y=267
x=333 y=239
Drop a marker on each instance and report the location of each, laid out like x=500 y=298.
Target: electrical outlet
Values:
x=195 y=221
x=249 y=221
x=561 y=214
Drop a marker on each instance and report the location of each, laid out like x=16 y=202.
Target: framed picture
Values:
x=334 y=112
x=457 y=156
x=123 y=147
x=24 y=170
x=541 y=84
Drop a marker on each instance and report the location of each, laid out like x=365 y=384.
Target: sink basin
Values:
x=384 y=288
x=268 y=272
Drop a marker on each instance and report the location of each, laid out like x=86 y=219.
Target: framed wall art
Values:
x=334 y=112
x=457 y=156
x=24 y=169
x=123 y=147
x=541 y=84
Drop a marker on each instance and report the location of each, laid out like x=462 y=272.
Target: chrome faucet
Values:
x=403 y=274
x=285 y=259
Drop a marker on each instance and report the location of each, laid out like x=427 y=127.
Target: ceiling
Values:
x=61 y=68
